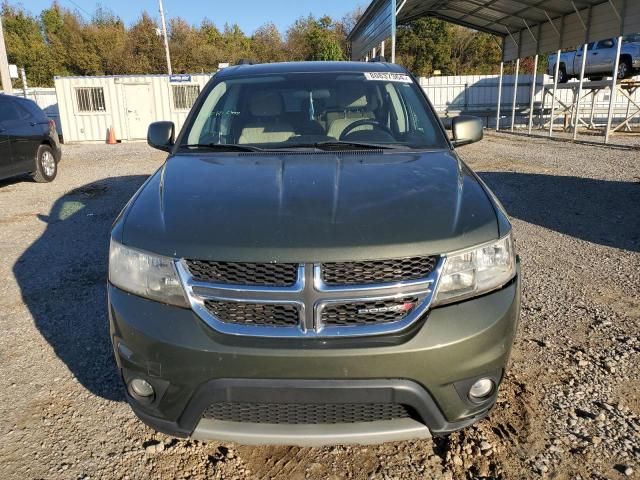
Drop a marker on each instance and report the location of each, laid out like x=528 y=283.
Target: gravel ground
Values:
x=569 y=407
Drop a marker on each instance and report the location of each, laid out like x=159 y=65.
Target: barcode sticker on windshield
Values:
x=388 y=77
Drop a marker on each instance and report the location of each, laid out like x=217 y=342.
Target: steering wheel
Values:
x=365 y=121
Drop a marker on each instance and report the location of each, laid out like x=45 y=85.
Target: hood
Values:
x=309 y=207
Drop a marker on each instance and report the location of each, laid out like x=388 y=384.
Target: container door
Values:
x=138 y=110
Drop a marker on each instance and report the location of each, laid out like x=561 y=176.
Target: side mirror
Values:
x=466 y=129
x=161 y=135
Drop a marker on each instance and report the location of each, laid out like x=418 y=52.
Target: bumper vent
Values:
x=250 y=274
x=368 y=313
x=377 y=271
x=307 y=414
x=277 y=315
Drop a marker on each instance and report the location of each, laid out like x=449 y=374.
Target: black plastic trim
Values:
x=405 y=392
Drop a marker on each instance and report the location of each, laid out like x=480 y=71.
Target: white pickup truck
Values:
x=600 y=60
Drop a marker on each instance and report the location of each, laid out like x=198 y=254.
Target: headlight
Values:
x=145 y=274
x=472 y=272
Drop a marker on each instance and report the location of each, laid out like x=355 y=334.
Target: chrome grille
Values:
x=252 y=274
x=367 y=313
x=305 y=305
x=242 y=313
x=377 y=271
x=309 y=414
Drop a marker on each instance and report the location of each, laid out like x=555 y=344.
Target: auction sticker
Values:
x=387 y=77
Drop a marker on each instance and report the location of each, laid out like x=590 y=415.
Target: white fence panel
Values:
x=478 y=94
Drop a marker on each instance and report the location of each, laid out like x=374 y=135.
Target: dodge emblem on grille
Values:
x=403 y=307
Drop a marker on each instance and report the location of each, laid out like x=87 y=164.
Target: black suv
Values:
x=28 y=140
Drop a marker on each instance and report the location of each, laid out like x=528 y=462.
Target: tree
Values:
x=236 y=44
x=61 y=42
x=424 y=45
x=26 y=46
x=183 y=45
x=267 y=44
x=145 y=48
x=314 y=39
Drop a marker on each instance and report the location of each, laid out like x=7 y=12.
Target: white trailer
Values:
x=89 y=106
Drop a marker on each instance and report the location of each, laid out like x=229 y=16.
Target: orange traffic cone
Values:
x=111 y=137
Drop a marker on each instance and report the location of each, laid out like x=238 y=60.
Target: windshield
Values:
x=307 y=109
x=632 y=38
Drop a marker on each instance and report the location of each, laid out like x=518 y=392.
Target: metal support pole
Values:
x=23 y=74
x=5 y=76
x=374 y=53
x=533 y=92
x=393 y=40
x=627 y=126
x=515 y=95
x=382 y=48
x=166 y=40
x=577 y=108
x=499 y=96
x=594 y=93
x=614 y=91
x=553 y=97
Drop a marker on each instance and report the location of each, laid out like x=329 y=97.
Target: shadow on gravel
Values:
x=598 y=211
x=63 y=276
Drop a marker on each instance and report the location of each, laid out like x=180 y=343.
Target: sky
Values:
x=249 y=14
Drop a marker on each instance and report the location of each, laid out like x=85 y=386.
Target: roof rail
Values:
x=378 y=59
x=245 y=61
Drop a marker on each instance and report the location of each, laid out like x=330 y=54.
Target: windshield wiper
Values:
x=339 y=145
x=224 y=147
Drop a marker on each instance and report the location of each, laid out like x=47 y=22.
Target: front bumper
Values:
x=191 y=366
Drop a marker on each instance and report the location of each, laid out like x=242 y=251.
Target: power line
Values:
x=80 y=8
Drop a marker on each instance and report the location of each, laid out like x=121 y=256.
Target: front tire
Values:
x=624 y=69
x=46 y=165
x=562 y=75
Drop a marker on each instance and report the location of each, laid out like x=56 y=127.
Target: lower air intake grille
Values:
x=296 y=413
x=250 y=274
x=377 y=271
x=368 y=313
x=278 y=315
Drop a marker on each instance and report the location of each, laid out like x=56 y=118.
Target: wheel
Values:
x=562 y=76
x=46 y=166
x=624 y=69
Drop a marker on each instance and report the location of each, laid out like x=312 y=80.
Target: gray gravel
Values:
x=569 y=407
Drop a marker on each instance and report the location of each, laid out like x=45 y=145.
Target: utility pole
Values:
x=166 y=40
x=24 y=82
x=4 y=64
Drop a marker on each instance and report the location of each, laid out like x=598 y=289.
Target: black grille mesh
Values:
x=368 y=313
x=377 y=271
x=278 y=315
x=256 y=274
x=296 y=413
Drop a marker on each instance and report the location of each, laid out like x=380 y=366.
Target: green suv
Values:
x=312 y=264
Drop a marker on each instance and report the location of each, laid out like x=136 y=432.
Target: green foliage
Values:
x=428 y=44
x=26 y=46
x=424 y=45
x=61 y=42
x=315 y=39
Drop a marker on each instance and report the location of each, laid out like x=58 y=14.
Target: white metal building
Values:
x=89 y=106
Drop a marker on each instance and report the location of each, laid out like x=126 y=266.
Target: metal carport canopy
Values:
x=528 y=27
